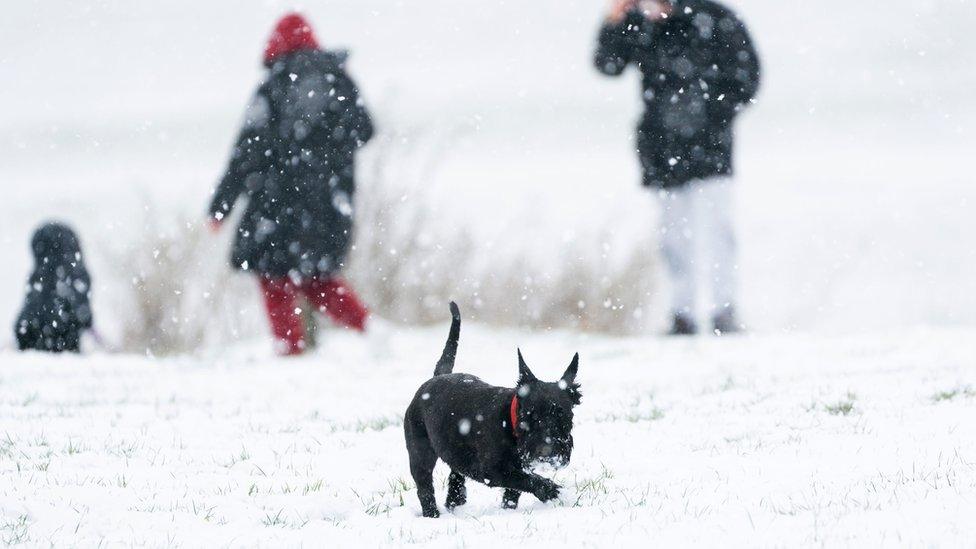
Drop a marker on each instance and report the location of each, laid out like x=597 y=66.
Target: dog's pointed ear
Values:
x=525 y=374
x=568 y=381
x=569 y=376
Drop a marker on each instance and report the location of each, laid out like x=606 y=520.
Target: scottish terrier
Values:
x=486 y=433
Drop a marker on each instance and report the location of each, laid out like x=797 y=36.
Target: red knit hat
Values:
x=292 y=33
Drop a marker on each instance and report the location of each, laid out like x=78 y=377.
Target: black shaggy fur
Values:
x=466 y=423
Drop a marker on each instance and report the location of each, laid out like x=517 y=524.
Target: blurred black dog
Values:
x=56 y=310
x=486 y=433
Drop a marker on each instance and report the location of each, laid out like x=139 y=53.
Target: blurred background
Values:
x=504 y=174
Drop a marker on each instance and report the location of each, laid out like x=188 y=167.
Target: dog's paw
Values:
x=547 y=490
x=431 y=513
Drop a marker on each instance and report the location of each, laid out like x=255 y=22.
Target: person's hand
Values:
x=619 y=9
x=214 y=225
x=654 y=10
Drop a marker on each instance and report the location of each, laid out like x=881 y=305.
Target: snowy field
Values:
x=768 y=441
x=844 y=418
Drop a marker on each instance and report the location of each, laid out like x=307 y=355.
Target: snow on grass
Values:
x=765 y=440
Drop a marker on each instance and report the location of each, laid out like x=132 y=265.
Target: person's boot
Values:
x=725 y=322
x=682 y=325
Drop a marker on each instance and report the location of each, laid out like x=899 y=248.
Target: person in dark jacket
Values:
x=294 y=161
x=57 y=309
x=699 y=69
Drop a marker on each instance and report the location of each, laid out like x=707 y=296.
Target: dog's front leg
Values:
x=520 y=481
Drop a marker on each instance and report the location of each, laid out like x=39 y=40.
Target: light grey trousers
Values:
x=697 y=241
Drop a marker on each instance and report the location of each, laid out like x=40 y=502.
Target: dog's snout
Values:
x=546 y=450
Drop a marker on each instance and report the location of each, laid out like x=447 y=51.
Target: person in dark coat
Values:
x=294 y=161
x=699 y=69
x=57 y=308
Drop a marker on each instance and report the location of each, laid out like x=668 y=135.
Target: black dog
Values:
x=486 y=433
x=56 y=310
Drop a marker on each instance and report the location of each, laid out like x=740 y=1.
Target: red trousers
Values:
x=329 y=295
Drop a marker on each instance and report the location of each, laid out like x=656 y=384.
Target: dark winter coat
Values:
x=56 y=310
x=294 y=163
x=699 y=68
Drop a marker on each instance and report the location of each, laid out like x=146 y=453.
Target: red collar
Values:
x=513 y=415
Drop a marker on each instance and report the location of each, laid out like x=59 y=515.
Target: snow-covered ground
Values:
x=844 y=418
x=757 y=441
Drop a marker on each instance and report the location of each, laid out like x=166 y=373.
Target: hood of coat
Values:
x=55 y=244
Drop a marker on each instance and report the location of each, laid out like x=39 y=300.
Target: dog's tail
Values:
x=446 y=364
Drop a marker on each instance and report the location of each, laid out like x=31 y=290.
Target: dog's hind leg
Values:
x=422 y=461
x=510 y=498
x=457 y=494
